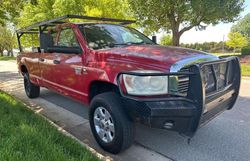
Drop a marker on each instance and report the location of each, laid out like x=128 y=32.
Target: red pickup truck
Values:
x=125 y=77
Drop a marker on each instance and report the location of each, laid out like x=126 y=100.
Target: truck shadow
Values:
x=8 y=76
x=218 y=140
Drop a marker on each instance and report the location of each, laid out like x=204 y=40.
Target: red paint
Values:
x=100 y=65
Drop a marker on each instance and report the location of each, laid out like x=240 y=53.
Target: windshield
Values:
x=99 y=36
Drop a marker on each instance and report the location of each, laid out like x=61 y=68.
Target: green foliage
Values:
x=226 y=54
x=48 y=9
x=62 y=7
x=243 y=26
x=245 y=50
x=245 y=69
x=31 y=14
x=104 y=8
x=108 y=8
x=7 y=40
x=7 y=58
x=166 y=40
x=30 y=40
x=236 y=40
x=10 y=9
x=179 y=16
x=211 y=47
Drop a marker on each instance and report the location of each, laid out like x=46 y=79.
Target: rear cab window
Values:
x=67 y=38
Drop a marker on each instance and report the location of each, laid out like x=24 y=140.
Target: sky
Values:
x=212 y=33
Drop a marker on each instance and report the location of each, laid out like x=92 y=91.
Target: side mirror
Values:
x=63 y=49
x=154 y=39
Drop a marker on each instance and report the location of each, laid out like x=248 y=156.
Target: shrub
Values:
x=245 y=50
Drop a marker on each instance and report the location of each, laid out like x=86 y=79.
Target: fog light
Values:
x=168 y=125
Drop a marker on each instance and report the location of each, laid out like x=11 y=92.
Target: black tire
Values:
x=31 y=90
x=124 y=128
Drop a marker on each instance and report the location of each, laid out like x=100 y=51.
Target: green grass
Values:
x=6 y=58
x=25 y=136
x=225 y=54
x=245 y=70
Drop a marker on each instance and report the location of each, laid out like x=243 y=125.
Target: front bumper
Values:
x=177 y=115
x=186 y=114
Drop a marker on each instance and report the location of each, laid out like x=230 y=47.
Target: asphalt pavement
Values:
x=226 y=138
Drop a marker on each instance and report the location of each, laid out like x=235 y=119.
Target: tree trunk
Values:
x=175 y=24
x=8 y=53
x=176 y=39
x=11 y=53
x=1 y=52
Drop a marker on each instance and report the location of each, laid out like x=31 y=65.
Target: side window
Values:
x=67 y=38
x=47 y=39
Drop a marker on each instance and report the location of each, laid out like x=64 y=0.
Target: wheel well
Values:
x=24 y=69
x=98 y=87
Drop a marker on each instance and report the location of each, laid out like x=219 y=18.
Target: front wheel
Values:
x=31 y=90
x=112 y=129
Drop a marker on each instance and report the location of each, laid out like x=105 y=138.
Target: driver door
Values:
x=67 y=69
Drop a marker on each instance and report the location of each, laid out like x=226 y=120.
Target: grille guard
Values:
x=196 y=91
x=201 y=96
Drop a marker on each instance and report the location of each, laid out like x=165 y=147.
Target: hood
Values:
x=154 y=56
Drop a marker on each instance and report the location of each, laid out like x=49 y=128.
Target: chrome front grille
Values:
x=183 y=82
x=215 y=75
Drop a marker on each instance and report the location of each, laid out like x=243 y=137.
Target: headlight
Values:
x=146 y=85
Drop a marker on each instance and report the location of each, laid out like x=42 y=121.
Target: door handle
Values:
x=41 y=59
x=56 y=61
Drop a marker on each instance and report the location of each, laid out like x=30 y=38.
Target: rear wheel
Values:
x=31 y=90
x=112 y=129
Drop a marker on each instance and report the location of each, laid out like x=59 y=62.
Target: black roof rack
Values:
x=35 y=28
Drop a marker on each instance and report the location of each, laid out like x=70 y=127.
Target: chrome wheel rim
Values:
x=104 y=124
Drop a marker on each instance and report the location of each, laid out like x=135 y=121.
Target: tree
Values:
x=179 y=16
x=236 y=40
x=166 y=40
x=7 y=40
x=243 y=26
